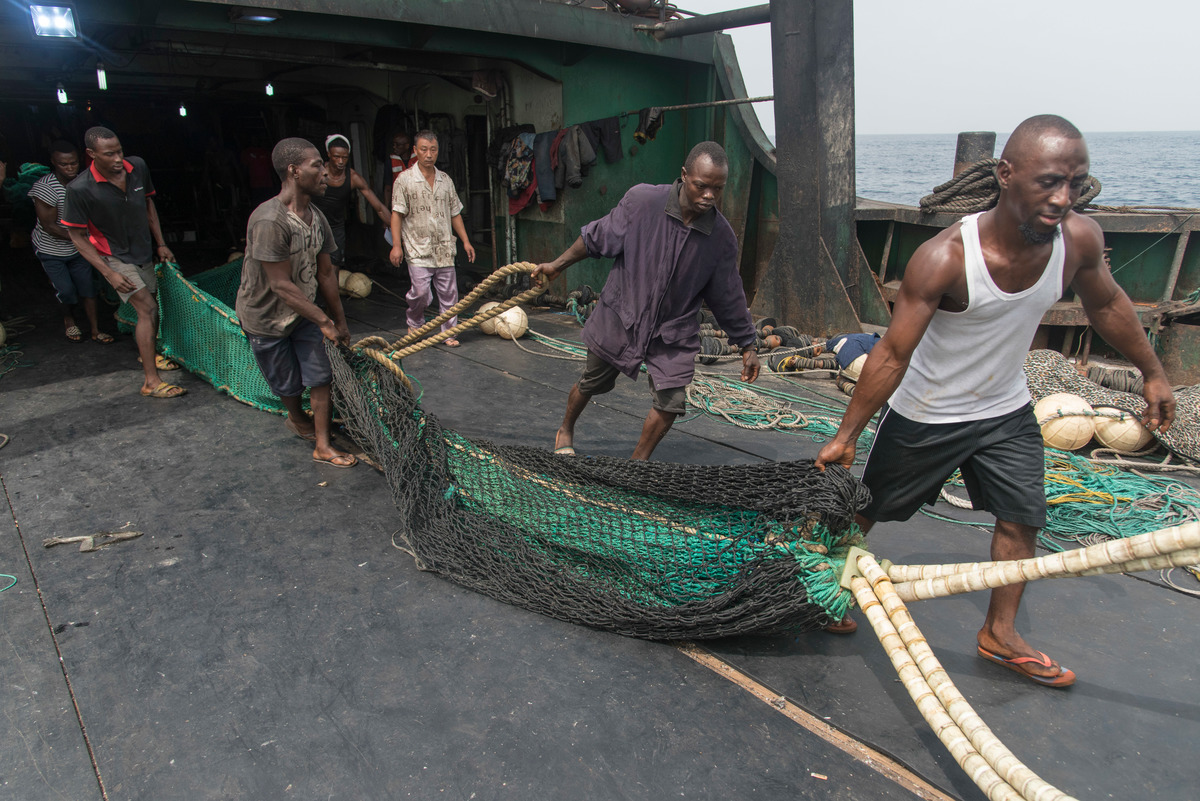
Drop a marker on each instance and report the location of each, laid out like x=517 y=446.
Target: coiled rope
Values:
x=976 y=189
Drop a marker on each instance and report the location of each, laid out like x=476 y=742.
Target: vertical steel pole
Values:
x=815 y=256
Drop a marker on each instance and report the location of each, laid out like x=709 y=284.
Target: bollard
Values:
x=972 y=147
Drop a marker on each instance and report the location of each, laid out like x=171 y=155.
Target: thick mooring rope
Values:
x=985 y=759
x=389 y=354
x=976 y=189
x=990 y=764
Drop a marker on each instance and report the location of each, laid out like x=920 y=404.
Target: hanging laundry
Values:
x=556 y=159
x=649 y=121
x=605 y=135
x=501 y=145
x=520 y=201
x=543 y=170
x=518 y=170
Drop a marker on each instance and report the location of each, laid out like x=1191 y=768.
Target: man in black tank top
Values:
x=1041 y=175
x=341 y=181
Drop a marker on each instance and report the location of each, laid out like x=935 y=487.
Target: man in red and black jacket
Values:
x=109 y=212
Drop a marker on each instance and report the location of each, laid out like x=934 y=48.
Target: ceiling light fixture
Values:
x=101 y=76
x=270 y=90
x=62 y=94
x=182 y=110
x=254 y=16
x=55 y=21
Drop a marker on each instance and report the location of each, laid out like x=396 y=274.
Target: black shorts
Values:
x=1001 y=458
x=599 y=377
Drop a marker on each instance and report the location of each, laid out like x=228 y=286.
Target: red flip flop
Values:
x=1065 y=678
x=846 y=625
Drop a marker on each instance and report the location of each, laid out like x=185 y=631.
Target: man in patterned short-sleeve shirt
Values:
x=426 y=215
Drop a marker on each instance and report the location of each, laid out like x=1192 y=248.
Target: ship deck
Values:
x=264 y=639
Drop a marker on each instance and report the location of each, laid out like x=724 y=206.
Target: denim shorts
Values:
x=293 y=362
x=71 y=276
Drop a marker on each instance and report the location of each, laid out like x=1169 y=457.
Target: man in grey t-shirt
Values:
x=288 y=242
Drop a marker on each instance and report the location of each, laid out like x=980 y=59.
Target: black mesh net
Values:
x=645 y=549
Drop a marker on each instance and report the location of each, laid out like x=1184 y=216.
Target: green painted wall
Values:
x=603 y=84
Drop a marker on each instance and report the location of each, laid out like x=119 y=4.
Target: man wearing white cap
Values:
x=340 y=182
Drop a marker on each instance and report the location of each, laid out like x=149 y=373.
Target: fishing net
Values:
x=1047 y=372
x=645 y=549
x=198 y=328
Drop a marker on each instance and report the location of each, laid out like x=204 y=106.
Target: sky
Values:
x=944 y=66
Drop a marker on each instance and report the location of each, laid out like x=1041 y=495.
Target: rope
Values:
x=1086 y=501
x=1155 y=550
x=976 y=189
x=990 y=764
x=763 y=409
x=390 y=355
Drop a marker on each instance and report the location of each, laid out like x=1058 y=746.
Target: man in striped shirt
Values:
x=69 y=272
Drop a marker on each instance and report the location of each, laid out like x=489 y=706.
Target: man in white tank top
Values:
x=950 y=365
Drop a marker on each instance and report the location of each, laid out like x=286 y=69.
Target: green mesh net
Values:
x=198 y=328
x=646 y=549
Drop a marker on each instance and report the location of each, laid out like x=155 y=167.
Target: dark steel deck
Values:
x=264 y=640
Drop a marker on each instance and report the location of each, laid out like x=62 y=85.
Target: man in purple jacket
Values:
x=672 y=249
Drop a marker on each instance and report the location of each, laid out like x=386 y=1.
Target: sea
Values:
x=1135 y=169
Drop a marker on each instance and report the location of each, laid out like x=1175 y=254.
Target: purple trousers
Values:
x=443 y=280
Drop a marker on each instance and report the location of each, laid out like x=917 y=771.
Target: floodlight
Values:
x=57 y=21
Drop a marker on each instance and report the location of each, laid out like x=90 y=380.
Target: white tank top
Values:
x=969 y=364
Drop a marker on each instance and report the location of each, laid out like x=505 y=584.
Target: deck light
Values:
x=255 y=16
x=101 y=76
x=57 y=21
x=62 y=94
x=182 y=110
x=270 y=90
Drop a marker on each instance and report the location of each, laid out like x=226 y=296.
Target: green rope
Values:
x=1086 y=503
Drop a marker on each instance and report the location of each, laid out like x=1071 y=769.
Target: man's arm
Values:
x=357 y=182
x=550 y=270
x=79 y=239
x=327 y=282
x=397 y=249
x=279 y=276
x=48 y=216
x=727 y=300
x=930 y=274
x=1112 y=315
x=161 y=250
x=460 y=231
